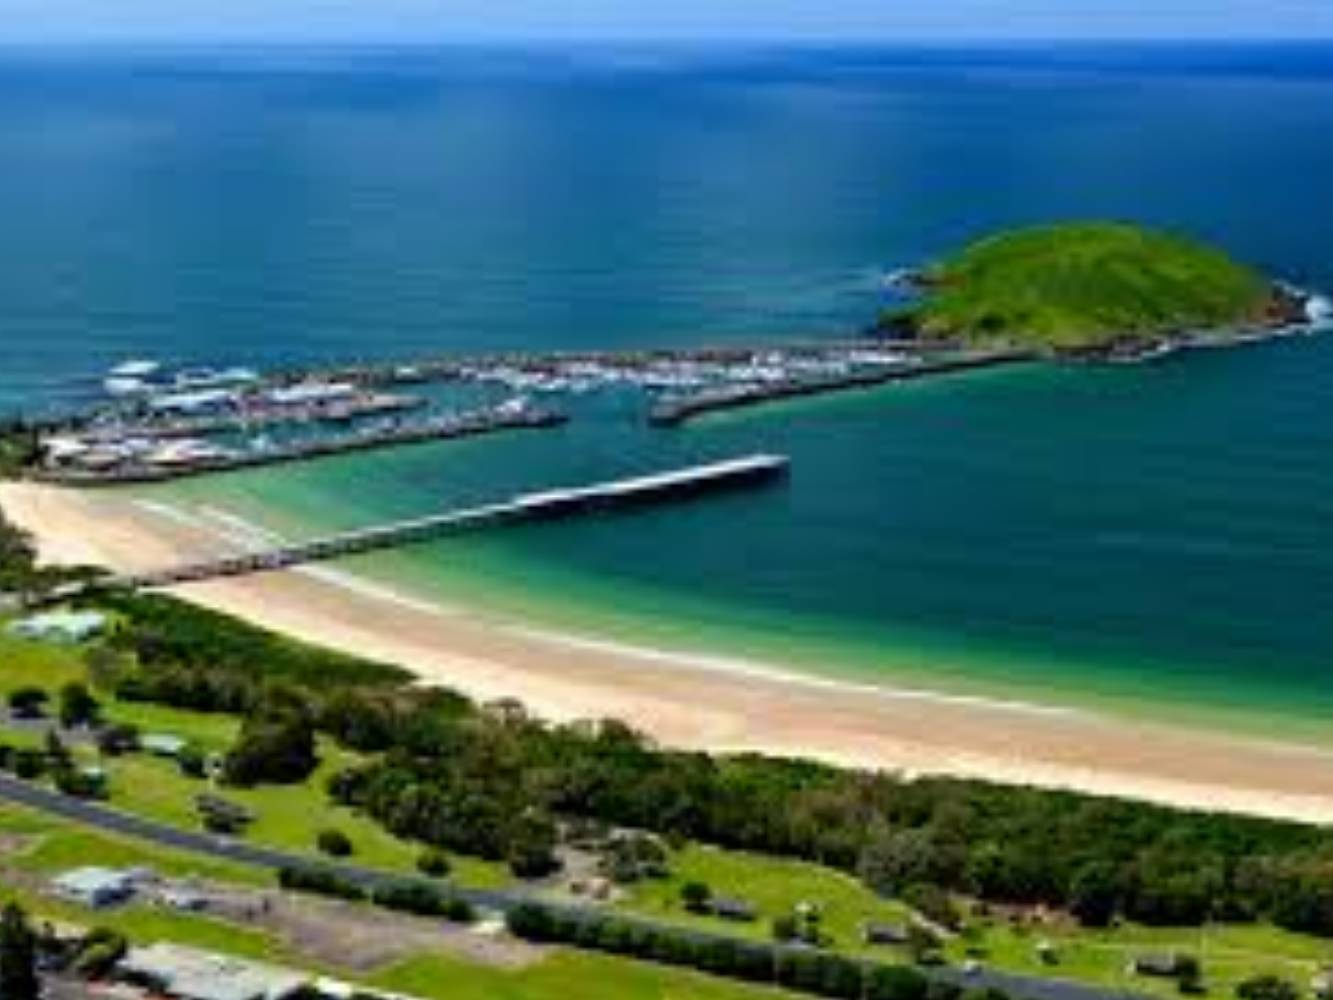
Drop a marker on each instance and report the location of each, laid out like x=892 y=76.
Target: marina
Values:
x=671 y=411
x=130 y=461
x=201 y=421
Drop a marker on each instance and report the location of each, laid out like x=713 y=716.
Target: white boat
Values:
x=124 y=385
x=1319 y=311
x=137 y=368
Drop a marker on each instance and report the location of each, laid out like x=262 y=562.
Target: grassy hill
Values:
x=1083 y=285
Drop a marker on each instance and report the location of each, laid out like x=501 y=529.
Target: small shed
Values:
x=95 y=887
x=731 y=908
x=190 y=974
x=881 y=933
x=1164 y=964
x=162 y=744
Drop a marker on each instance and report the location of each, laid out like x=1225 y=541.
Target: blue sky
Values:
x=369 y=20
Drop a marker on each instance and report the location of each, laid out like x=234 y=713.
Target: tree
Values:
x=1267 y=987
x=1094 y=894
x=57 y=754
x=696 y=896
x=192 y=761
x=276 y=745
x=18 y=957
x=78 y=707
x=118 y=739
x=434 y=862
x=334 y=843
x=28 y=702
x=532 y=846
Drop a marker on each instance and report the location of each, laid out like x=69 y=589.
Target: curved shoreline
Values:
x=690 y=699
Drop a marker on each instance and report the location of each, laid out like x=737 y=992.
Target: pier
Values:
x=443 y=428
x=749 y=471
x=671 y=411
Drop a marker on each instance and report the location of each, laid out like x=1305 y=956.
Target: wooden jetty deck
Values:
x=751 y=470
x=674 y=410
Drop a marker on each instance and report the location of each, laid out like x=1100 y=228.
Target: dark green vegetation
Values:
x=442 y=774
x=1085 y=286
x=18 y=956
x=495 y=783
x=804 y=970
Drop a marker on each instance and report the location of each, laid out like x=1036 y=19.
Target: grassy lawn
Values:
x=772 y=886
x=563 y=976
x=289 y=817
x=54 y=845
x=1229 y=953
x=57 y=844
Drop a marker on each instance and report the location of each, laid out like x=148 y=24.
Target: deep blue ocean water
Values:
x=1151 y=534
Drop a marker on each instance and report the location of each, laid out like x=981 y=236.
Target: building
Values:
x=880 y=933
x=162 y=744
x=65 y=627
x=95 y=887
x=190 y=974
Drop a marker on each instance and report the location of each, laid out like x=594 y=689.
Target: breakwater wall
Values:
x=748 y=471
x=675 y=410
x=465 y=425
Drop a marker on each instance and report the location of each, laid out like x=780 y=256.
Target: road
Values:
x=101 y=817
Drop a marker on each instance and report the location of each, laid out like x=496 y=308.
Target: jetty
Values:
x=670 y=411
x=736 y=473
x=162 y=465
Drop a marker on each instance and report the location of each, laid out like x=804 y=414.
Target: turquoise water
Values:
x=1149 y=537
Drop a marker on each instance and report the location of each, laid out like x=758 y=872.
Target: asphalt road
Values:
x=230 y=849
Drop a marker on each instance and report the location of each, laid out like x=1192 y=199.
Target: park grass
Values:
x=289 y=817
x=34 y=664
x=1229 y=953
x=54 y=845
x=1082 y=285
x=565 y=975
x=773 y=886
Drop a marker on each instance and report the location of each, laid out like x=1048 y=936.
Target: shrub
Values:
x=28 y=702
x=192 y=761
x=422 y=899
x=118 y=739
x=1267 y=987
x=334 y=843
x=29 y=764
x=321 y=881
x=99 y=951
x=78 y=707
x=434 y=862
x=896 y=982
x=696 y=896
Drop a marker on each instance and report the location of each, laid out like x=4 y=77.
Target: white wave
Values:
x=737 y=666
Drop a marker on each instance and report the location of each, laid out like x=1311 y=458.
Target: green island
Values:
x=1090 y=288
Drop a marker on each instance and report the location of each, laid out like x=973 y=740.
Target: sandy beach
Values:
x=685 y=699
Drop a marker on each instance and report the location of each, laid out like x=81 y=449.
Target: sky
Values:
x=868 y=20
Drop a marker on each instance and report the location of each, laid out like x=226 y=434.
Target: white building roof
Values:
x=92 y=881
x=59 y=624
x=192 y=974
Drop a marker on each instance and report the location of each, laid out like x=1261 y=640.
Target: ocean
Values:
x=1150 y=539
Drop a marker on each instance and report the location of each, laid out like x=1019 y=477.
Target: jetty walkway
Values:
x=734 y=473
x=671 y=411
